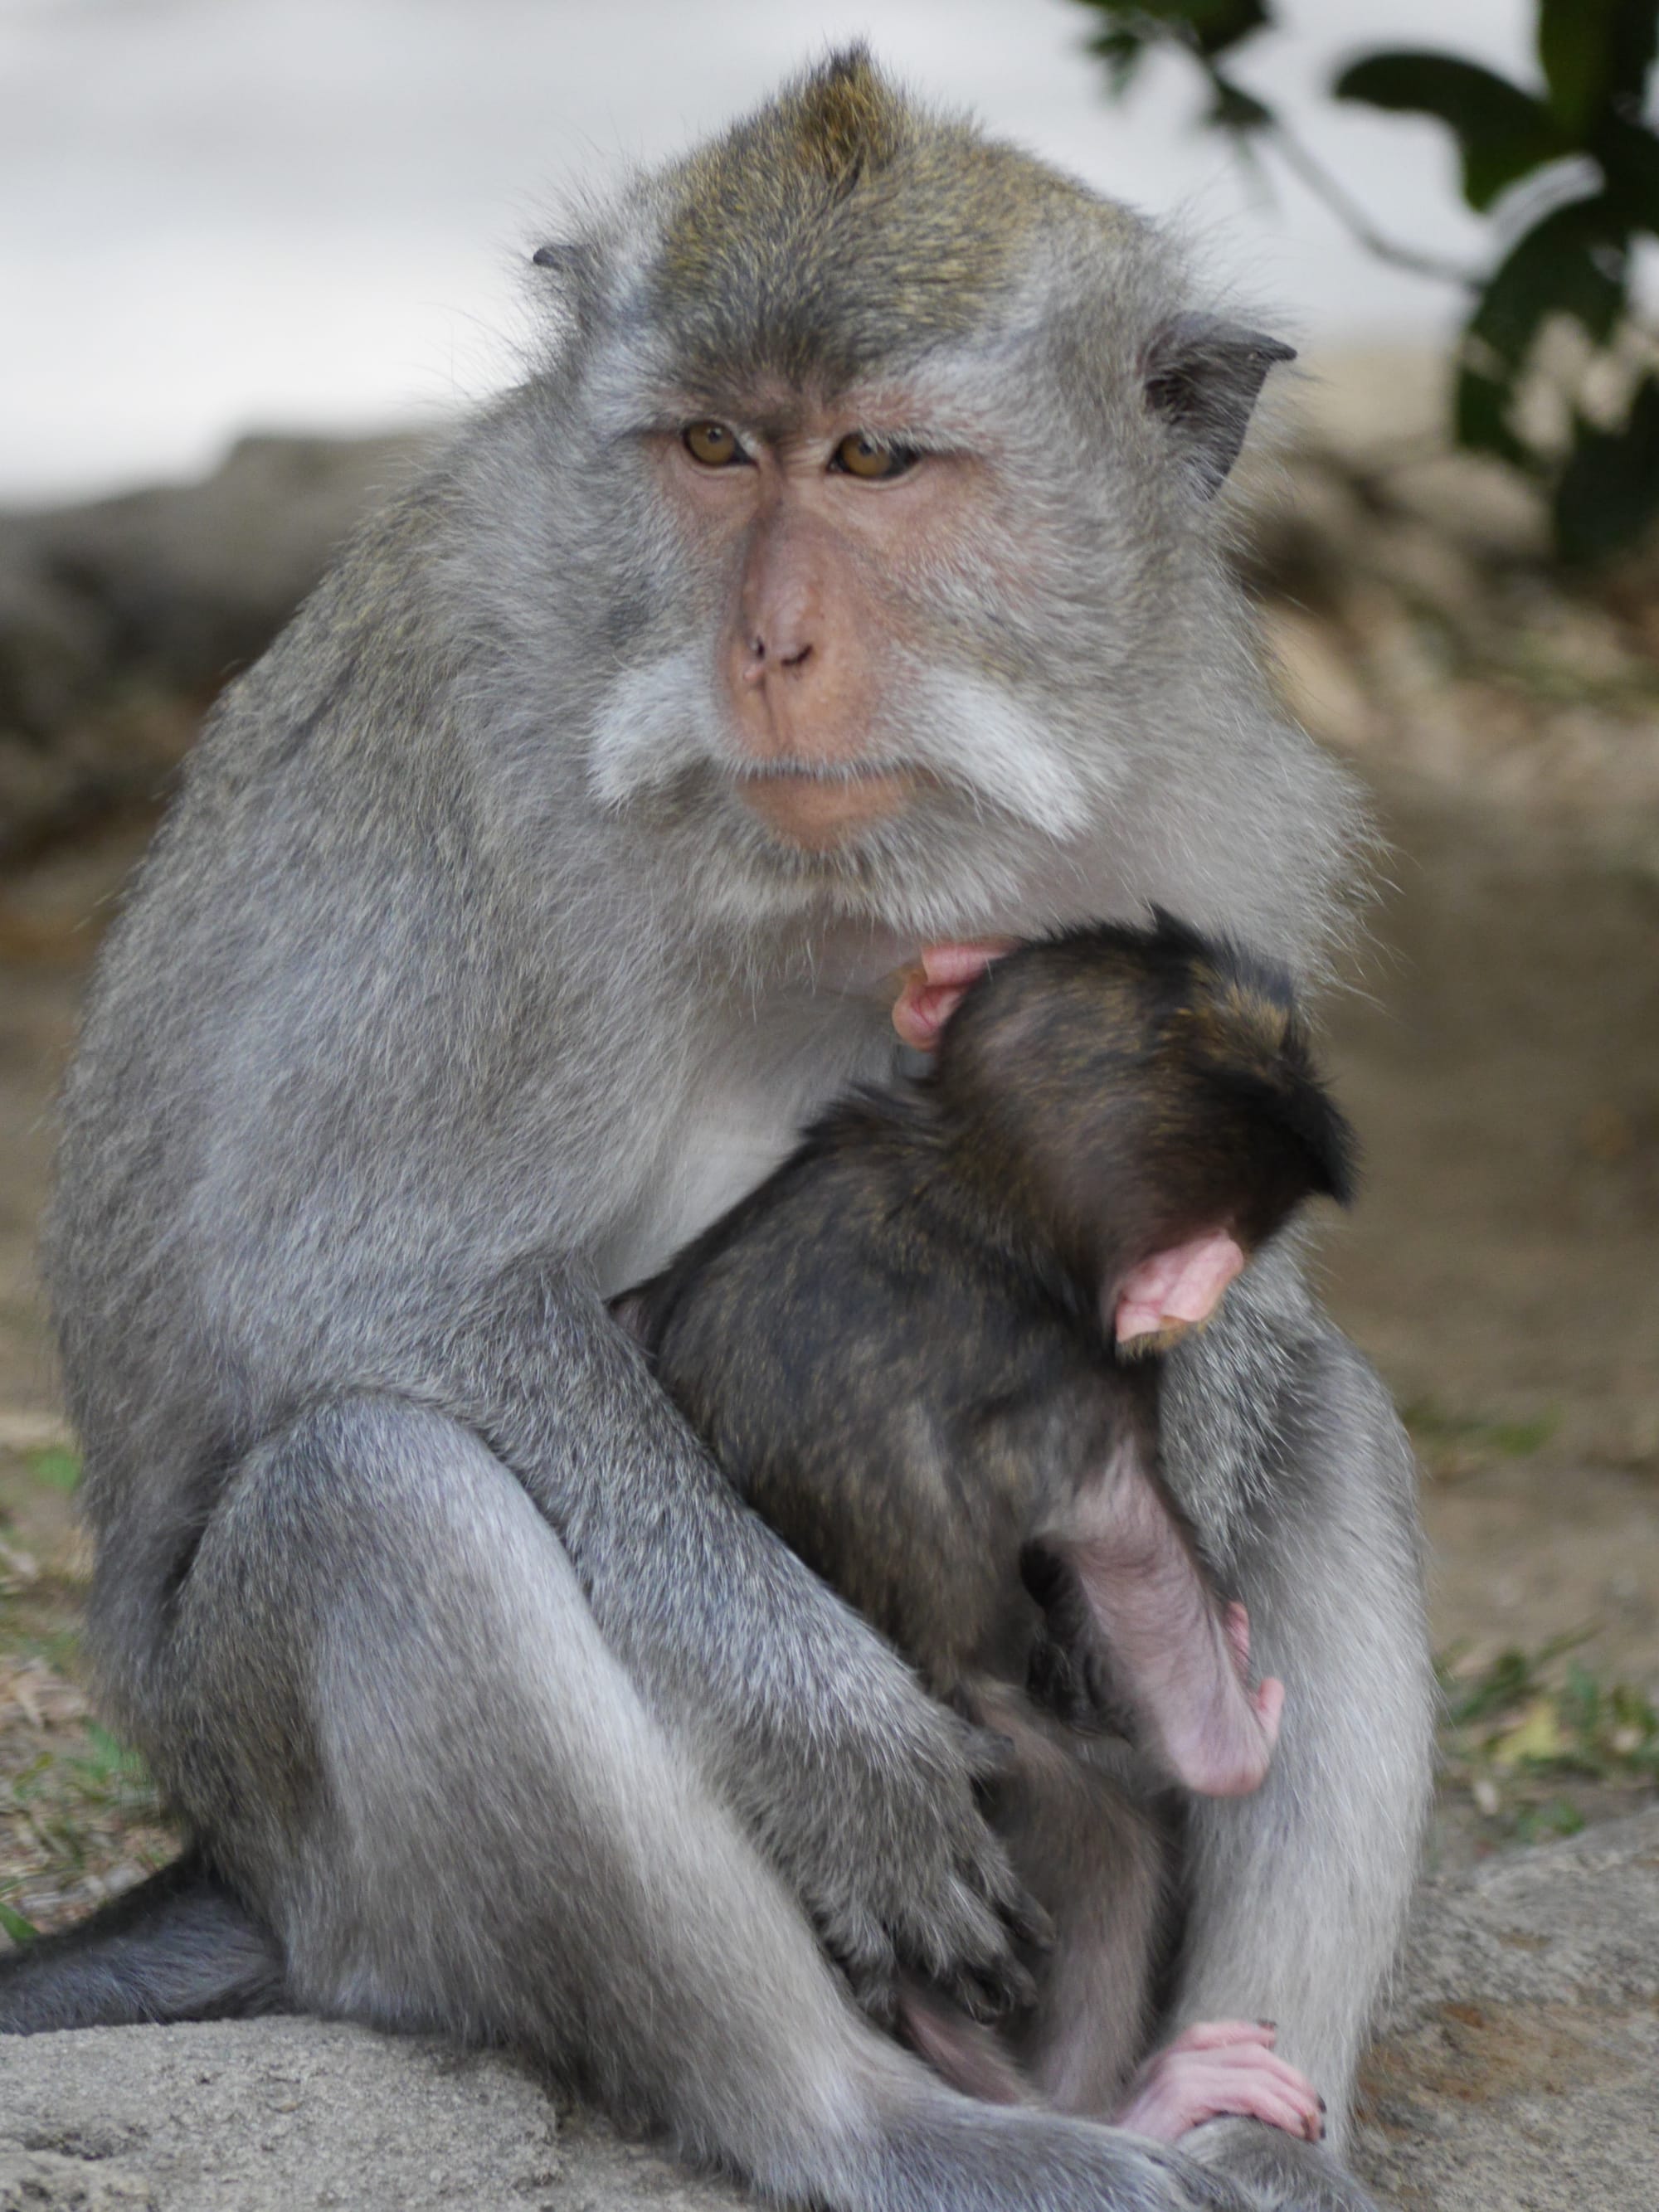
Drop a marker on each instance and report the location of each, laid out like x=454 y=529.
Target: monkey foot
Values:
x=932 y=986
x=1161 y=1296
x=1221 y=2068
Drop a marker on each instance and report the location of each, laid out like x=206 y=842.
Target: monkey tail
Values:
x=181 y=1946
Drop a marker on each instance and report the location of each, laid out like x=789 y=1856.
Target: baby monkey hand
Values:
x=932 y=987
x=1216 y=2069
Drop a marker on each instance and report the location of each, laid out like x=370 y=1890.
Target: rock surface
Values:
x=1516 y=2071
x=1515 y=2074
x=300 y=2115
x=120 y=618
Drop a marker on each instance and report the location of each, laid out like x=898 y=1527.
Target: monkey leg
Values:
x=1158 y=1634
x=451 y=1805
x=1101 y=1868
x=1099 y=1860
x=1282 y=1444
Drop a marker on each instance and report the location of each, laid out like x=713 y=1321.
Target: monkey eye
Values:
x=712 y=445
x=859 y=455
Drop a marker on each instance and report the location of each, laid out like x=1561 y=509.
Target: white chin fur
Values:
x=660 y=721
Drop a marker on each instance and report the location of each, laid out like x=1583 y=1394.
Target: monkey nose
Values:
x=786 y=656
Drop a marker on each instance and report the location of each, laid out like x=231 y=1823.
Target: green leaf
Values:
x=1569 y=263
x=1607 y=495
x=1480 y=418
x=1209 y=28
x=16 y=1924
x=57 y=1466
x=1595 y=55
x=1539 y=1824
x=109 y=1760
x=1629 y=155
x=1520 y=1439
x=1501 y=131
x=1122 y=51
x=1572 y=53
x=1235 y=109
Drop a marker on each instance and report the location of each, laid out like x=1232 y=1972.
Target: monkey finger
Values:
x=1274 y=2090
x=863 y=1950
x=989 y=1994
x=1268 y=1700
x=1178 y=2091
x=1216 y=2034
x=1256 y=2059
x=1020 y=1912
x=985 y=1977
x=931 y=989
x=873 y=1982
x=1031 y=1923
x=992 y=1757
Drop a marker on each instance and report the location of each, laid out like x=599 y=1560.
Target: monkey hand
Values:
x=1217 y=2068
x=932 y=988
x=895 y=1860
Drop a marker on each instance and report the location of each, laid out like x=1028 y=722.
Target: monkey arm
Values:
x=858 y=1783
x=1283 y=1444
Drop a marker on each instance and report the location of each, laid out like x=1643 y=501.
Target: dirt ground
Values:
x=1501 y=1059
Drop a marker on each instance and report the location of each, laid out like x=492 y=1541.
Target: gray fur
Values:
x=449 y=1000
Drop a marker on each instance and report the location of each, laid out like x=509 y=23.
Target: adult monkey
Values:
x=844 y=583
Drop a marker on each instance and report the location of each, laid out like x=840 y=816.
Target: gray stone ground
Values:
x=1516 y=2073
x=1519 y=2068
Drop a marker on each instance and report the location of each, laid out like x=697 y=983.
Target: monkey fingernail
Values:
x=1033 y=1925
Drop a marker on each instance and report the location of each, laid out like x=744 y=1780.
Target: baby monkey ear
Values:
x=1202 y=376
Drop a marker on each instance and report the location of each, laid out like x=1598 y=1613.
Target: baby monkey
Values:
x=926 y=1350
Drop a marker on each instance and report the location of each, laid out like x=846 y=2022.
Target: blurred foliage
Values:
x=55 y=1465
x=1451 y=1445
x=1556 y=373
x=1518 y=1732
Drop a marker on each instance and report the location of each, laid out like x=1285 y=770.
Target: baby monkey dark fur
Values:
x=903 y=1349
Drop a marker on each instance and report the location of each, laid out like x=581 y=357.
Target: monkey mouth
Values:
x=816 y=805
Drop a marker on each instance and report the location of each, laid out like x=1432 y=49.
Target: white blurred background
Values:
x=218 y=215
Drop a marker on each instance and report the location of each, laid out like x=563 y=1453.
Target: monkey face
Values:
x=907 y=448
x=862 y=696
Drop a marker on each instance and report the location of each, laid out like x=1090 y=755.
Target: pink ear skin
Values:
x=933 y=988
x=1216 y=2069
x=1162 y=1298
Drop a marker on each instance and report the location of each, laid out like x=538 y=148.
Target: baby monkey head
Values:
x=1127 y=1091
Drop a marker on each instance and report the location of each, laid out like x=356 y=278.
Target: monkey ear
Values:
x=1203 y=376
x=570 y=259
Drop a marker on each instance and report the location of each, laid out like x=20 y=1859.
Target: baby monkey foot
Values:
x=1219 y=2068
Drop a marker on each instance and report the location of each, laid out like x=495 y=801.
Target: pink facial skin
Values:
x=1220 y=2068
